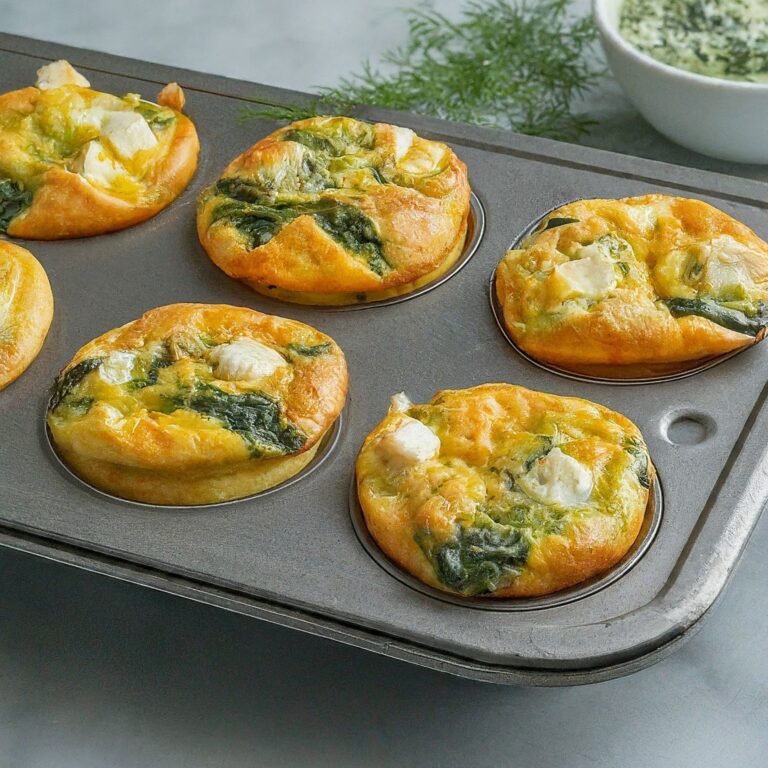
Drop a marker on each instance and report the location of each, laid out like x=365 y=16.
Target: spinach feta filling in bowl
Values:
x=501 y=491
x=197 y=404
x=334 y=211
x=717 y=38
x=26 y=310
x=76 y=162
x=639 y=286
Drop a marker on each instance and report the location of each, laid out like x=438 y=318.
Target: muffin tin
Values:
x=292 y=556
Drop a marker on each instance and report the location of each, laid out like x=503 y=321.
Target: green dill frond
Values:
x=281 y=113
x=519 y=64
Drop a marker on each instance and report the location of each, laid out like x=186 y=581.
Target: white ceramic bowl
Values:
x=727 y=119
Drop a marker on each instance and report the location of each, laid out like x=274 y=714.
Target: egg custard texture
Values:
x=653 y=281
x=26 y=310
x=77 y=162
x=501 y=491
x=197 y=403
x=331 y=210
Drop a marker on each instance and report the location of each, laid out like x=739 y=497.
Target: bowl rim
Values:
x=610 y=31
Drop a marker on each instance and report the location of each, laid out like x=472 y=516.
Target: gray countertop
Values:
x=95 y=672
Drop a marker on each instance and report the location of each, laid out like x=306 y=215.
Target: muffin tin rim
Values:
x=329 y=442
x=652 y=521
x=472 y=241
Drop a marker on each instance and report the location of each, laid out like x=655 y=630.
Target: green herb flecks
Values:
x=158 y=117
x=479 y=559
x=254 y=416
x=68 y=381
x=146 y=369
x=557 y=221
x=521 y=65
x=13 y=200
x=309 y=351
x=750 y=323
x=639 y=455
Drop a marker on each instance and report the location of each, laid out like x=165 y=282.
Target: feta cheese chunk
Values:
x=127 y=133
x=399 y=403
x=592 y=274
x=59 y=73
x=411 y=443
x=644 y=216
x=557 y=479
x=403 y=139
x=423 y=157
x=725 y=273
x=88 y=118
x=96 y=166
x=117 y=368
x=245 y=360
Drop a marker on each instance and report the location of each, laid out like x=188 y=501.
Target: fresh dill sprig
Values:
x=281 y=113
x=519 y=64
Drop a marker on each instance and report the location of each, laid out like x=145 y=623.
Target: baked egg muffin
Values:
x=501 y=491
x=197 y=404
x=77 y=162
x=332 y=210
x=658 y=282
x=26 y=310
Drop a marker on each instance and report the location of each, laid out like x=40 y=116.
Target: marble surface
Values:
x=95 y=672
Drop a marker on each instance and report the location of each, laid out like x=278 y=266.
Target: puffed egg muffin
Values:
x=501 y=491
x=197 y=404
x=332 y=210
x=76 y=162
x=26 y=310
x=654 y=281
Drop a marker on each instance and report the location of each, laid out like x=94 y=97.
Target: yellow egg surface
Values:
x=197 y=403
x=649 y=281
x=332 y=210
x=502 y=491
x=77 y=162
x=26 y=310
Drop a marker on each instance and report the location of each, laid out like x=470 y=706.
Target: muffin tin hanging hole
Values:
x=687 y=428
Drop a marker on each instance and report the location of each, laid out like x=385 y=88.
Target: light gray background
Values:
x=94 y=672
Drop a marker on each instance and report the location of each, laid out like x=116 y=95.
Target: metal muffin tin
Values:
x=292 y=556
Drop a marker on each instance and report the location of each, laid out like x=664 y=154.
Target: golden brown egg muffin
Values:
x=501 y=491
x=197 y=404
x=76 y=162
x=650 y=281
x=26 y=310
x=332 y=210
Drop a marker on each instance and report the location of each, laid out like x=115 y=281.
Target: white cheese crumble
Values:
x=422 y=158
x=644 y=216
x=127 y=133
x=403 y=140
x=592 y=274
x=59 y=73
x=411 y=443
x=557 y=479
x=88 y=118
x=96 y=166
x=117 y=367
x=245 y=360
x=724 y=272
x=399 y=403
